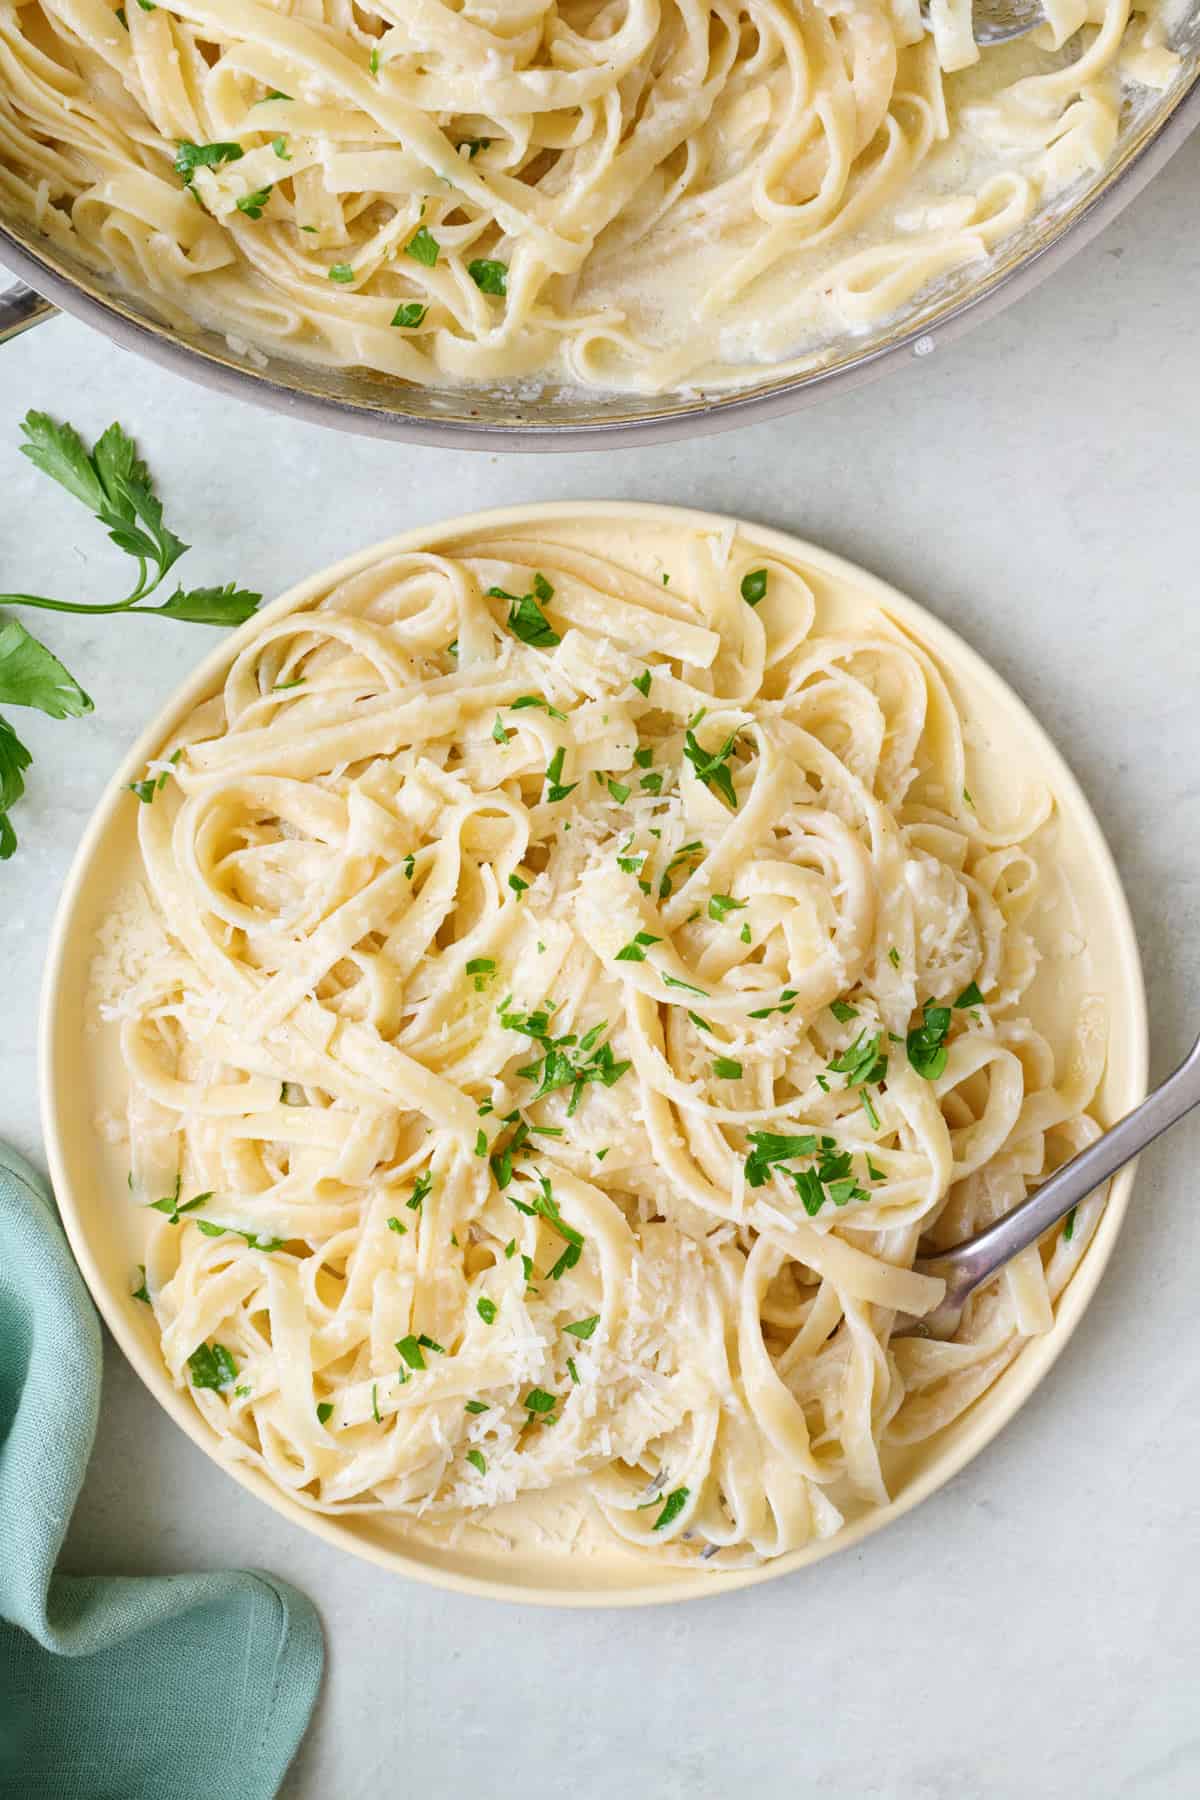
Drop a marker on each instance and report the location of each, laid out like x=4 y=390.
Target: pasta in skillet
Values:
x=626 y=194
x=580 y=983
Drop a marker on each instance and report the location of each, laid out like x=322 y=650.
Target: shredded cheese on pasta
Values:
x=582 y=986
x=625 y=194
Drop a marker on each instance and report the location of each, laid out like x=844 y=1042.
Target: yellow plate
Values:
x=81 y=1077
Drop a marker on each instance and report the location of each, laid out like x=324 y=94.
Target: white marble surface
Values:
x=1029 y=1631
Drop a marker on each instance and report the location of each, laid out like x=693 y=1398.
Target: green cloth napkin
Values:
x=180 y=1687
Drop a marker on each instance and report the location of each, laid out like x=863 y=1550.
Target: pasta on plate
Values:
x=581 y=979
x=623 y=194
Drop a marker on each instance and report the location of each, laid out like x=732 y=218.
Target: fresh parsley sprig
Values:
x=112 y=481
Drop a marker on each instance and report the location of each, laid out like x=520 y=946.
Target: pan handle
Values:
x=21 y=308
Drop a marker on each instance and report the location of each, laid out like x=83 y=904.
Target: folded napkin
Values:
x=180 y=1687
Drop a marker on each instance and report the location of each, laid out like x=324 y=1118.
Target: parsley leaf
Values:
x=477 y=1460
x=635 y=949
x=486 y=1309
x=769 y=1147
x=489 y=277
x=410 y=315
x=754 y=586
x=727 y=1069
x=526 y=620
x=927 y=1042
x=583 y=1328
x=862 y=1062
x=252 y=204
x=190 y=157
x=410 y=1349
x=423 y=247
x=970 y=996
x=672 y=1507
x=212 y=1366
x=712 y=767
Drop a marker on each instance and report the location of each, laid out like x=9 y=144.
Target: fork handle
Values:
x=966 y=1266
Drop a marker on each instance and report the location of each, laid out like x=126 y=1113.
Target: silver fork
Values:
x=996 y=21
x=968 y=1265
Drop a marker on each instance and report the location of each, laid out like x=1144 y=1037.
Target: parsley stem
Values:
x=79 y=606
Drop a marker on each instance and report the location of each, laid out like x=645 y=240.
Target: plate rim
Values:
x=1022 y=1376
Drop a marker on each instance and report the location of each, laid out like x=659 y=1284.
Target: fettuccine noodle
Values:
x=580 y=984
x=625 y=194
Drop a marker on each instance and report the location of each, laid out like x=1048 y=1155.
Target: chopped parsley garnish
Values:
x=712 y=766
x=375 y=1403
x=727 y=1069
x=927 y=1042
x=554 y=787
x=1069 y=1225
x=894 y=957
x=373 y=62
x=152 y=784
x=572 y=1371
x=279 y=146
x=252 y=204
x=565 y=1061
x=769 y=1147
x=341 y=272
x=486 y=1309
x=720 y=904
x=601 y=1154
x=643 y=757
x=190 y=157
x=142 y=1292
x=526 y=620
x=481 y=1142
x=785 y=1004
x=212 y=1366
x=642 y=683
x=481 y=967
x=489 y=277
x=673 y=981
x=423 y=247
x=173 y=1208
x=862 y=1062
x=567 y=1260
x=421 y=1190
x=699 y=1023
x=409 y=315
x=841 y=1012
x=968 y=799
x=874 y=1173
x=970 y=996
x=744 y=934
x=754 y=586
x=673 y=1505
x=869 y=1109
x=635 y=949
x=499 y=733
x=583 y=1328
x=652 y=783
x=537 y=1400
x=473 y=146
x=410 y=863
x=476 y=1406
x=410 y=1349
x=525 y=701
x=477 y=1460
x=428 y=1344
x=619 y=792
x=324 y=1411
x=517 y=885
